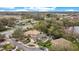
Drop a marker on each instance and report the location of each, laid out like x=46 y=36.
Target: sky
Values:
x=39 y=5
x=42 y=9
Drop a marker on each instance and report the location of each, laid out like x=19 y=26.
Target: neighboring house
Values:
x=32 y=33
x=63 y=44
x=75 y=16
x=72 y=16
x=37 y=35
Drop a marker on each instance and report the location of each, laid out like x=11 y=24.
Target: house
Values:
x=36 y=35
x=63 y=44
x=32 y=33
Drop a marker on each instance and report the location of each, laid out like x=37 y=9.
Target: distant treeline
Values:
x=25 y=13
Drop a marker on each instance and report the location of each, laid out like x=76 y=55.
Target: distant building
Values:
x=75 y=16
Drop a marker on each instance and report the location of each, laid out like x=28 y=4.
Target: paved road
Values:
x=19 y=45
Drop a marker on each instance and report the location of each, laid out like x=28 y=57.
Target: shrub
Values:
x=8 y=47
x=18 y=34
x=46 y=44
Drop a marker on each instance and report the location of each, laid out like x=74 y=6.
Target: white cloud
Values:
x=41 y=8
x=70 y=10
x=20 y=10
x=28 y=9
x=47 y=9
x=2 y=10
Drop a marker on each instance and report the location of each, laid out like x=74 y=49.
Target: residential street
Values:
x=19 y=45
